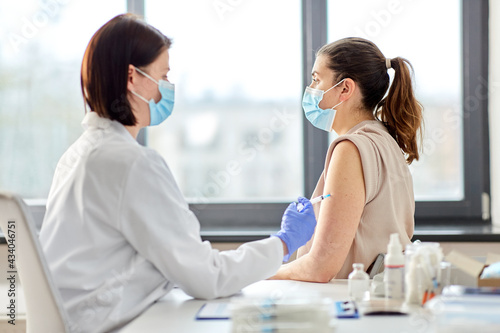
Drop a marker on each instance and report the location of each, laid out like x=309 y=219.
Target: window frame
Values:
x=248 y=221
x=219 y=217
x=474 y=208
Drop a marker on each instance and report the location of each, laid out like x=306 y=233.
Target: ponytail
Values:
x=400 y=111
x=363 y=62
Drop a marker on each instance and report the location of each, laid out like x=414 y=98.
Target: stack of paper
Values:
x=463 y=309
x=283 y=316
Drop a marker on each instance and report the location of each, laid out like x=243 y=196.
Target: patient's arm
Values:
x=303 y=250
x=338 y=220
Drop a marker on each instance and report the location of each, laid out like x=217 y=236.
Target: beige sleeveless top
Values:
x=389 y=203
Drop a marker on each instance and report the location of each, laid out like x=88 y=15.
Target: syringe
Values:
x=313 y=201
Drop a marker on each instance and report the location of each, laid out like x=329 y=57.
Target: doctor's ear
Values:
x=132 y=76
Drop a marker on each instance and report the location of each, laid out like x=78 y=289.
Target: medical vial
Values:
x=359 y=282
x=394 y=269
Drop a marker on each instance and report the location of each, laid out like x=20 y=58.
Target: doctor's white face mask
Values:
x=320 y=118
x=160 y=111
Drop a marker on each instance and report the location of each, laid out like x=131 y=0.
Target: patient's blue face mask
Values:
x=163 y=109
x=320 y=118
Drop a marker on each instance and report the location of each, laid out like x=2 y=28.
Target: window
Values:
x=235 y=134
x=40 y=98
x=397 y=29
x=237 y=141
x=430 y=35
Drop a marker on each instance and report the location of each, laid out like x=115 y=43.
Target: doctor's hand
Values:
x=297 y=227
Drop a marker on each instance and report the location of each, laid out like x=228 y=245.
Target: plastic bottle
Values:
x=359 y=282
x=394 y=269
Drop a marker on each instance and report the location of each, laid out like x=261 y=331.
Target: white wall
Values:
x=494 y=109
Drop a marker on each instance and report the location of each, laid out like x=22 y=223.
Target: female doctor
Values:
x=117 y=233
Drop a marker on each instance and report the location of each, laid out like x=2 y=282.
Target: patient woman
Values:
x=366 y=168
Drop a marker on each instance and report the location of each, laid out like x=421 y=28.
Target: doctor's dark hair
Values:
x=122 y=41
x=363 y=62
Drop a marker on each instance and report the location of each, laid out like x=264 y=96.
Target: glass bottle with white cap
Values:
x=358 y=282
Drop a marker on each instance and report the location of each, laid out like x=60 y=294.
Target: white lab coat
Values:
x=118 y=234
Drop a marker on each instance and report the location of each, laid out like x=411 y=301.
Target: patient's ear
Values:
x=348 y=89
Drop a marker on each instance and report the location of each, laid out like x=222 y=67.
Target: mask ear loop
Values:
x=149 y=77
x=146 y=75
x=333 y=107
x=334 y=86
x=145 y=100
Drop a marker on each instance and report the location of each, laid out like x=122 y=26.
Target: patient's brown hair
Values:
x=363 y=62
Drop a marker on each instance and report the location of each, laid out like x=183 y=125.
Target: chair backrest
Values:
x=44 y=309
x=377 y=266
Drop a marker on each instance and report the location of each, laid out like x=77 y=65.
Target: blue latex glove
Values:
x=297 y=227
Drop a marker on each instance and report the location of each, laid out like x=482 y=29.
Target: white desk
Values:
x=176 y=311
